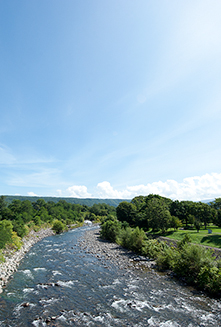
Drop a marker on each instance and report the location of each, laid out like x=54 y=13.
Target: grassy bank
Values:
x=202 y=237
x=189 y=262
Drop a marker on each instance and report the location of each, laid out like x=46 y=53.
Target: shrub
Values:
x=58 y=226
x=189 y=261
x=152 y=248
x=124 y=237
x=186 y=240
x=110 y=230
x=2 y=258
x=15 y=242
x=166 y=258
x=138 y=237
x=19 y=227
x=37 y=220
x=6 y=230
x=209 y=279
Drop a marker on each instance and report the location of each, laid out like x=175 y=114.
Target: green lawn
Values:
x=202 y=237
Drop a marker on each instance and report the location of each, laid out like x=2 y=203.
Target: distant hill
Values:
x=207 y=201
x=88 y=202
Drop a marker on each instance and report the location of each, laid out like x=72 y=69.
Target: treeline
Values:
x=193 y=263
x=88 y=202
x=18 y=217
x=159 y=213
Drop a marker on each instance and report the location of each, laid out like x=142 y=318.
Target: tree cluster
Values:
x=21 y=216
x=160 y=213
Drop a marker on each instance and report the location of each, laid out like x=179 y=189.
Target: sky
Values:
x=110 y=99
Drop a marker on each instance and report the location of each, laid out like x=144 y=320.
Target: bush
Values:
x=6 y=230
x=189 y=261
x=58 y=226
x=124 y=238
x=110 y=230
x=209 y=279
x=153 y=248
x=138 y=237
x=166 y=258
x=16 y=242
x=2 y=258
x=186 y=240
x=19 y=227
x=37 y=220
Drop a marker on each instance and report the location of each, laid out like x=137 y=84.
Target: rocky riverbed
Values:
x=13 y=258
x=116 y=254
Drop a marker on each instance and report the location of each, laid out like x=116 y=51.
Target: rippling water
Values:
x=59 y=280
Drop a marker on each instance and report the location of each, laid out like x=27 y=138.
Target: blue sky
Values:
x=110 y=99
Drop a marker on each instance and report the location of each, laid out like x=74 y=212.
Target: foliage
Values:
x=175 y=222
x=110 y=230
x=19 y=227
x=197 y=224
x=58 y=226
x=16 y=242
x=20 y=211
x=132 y=239
x=126 y=212
x=194 y=263
x=6 y=230
x=153 y=248
x=158 y=215
x=186 y=239
x=2 y=258
x=209 y=279
x=72 y=201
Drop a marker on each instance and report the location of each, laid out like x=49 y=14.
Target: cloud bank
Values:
x=194 y=188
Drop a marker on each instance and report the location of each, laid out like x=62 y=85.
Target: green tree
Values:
x=19 y=226
x=58 y=226
x=6 y=230
x=126 y=212
x=158 y=215
x=182 y=210
x=110 y=230
x=3 y=206
x=203 y=212
x=175 y=223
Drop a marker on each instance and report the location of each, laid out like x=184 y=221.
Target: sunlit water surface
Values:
x=60 y=280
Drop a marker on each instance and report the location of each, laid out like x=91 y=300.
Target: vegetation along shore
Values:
x=134 y=227
x=12 y=258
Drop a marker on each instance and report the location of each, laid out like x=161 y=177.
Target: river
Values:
x=63 y=285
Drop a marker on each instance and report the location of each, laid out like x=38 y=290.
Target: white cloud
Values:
x=105 y=190
x=78 y=191
x=32 y=194
x=194 y=188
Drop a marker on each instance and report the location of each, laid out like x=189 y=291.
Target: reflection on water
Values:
x=59 y=284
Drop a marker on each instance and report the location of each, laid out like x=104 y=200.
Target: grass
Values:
x=213 y=240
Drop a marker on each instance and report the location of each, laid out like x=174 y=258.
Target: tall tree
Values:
x=158 y=214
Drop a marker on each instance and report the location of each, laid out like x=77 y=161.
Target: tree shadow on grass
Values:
x=215 y=239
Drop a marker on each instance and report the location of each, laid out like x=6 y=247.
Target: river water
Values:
x=61 y=281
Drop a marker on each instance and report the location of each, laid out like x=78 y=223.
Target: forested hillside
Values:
x=87 y=202
x=18 y=217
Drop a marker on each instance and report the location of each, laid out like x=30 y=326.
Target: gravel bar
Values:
x=107 y=251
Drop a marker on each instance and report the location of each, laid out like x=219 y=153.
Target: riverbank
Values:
x=12 y=259
x=116 y=254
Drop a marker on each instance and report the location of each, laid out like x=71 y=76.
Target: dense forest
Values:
x=18 y=217
x=159 y=213
x=87 y=202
